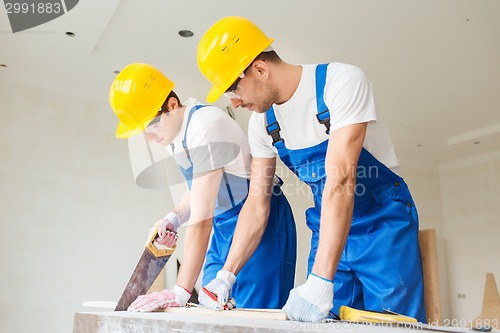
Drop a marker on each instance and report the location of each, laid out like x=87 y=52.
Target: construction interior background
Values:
x=73 y=222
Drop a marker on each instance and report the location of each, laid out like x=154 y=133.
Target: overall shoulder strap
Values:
x=273 y=129
x=184 y=145
x=323 y=114
x=184 y=140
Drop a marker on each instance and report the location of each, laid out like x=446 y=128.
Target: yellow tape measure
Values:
x=365 y=316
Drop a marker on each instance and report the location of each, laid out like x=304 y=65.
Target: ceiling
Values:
x=434 y=64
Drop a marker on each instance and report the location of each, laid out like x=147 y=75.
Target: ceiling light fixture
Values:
x=186 y=33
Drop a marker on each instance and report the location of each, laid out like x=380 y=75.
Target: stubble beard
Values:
x=267 y=99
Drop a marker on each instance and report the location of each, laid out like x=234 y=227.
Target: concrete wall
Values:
x=73 y=222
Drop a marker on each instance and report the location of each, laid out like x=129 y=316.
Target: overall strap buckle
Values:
x=274 y=131
x=324 y=119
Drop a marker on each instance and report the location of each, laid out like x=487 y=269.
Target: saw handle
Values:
x=156 y=249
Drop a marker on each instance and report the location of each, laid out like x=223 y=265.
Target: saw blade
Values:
x=146 y=272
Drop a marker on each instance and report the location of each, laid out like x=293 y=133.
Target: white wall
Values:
x=461 y=200
x=470 y=196
x=73 y=223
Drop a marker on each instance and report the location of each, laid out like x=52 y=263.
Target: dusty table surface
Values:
x=159 y=322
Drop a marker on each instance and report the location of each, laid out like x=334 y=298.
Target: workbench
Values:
x=162 y=322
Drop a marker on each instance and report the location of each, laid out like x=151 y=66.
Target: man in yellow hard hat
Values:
x=322 y=122
x=214 y=156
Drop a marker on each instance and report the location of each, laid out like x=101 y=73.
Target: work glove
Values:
x=311 y=301
x=167 y=230
x=216 y=294
x=166 y=298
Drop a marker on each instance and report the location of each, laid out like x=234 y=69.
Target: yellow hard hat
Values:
x=136 y=95
x=227 y=49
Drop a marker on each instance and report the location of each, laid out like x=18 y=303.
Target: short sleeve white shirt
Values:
x=214 y=140
x=349 y=97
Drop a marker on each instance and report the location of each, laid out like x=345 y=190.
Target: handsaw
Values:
x=148 y=268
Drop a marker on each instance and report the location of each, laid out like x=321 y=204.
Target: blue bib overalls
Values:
x=380 y=267
x=267 y=278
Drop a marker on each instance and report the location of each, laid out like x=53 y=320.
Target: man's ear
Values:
x=172 y=104
x=261 y=68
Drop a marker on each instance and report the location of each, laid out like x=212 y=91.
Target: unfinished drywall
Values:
x=73 y=222
x=470 y=197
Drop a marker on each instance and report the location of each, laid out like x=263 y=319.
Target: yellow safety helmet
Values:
x=227 y=49
x=136 y=95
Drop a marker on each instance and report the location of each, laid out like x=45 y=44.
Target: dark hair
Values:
x=270 y=56
x=174 y=95
x=164 y=108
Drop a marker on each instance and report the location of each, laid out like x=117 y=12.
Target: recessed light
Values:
x=70 y=34
x=186 y=33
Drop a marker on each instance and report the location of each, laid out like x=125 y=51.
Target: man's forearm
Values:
x=335 y=223
x=196 y=243
x=253 y=217
x=251 y=225
x=338 y=197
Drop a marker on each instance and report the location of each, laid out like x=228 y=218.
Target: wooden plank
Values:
x=428 y=250
x=272 y=314
x=490 y=313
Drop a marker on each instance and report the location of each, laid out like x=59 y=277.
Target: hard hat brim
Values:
x=125 y=132
x=214 y=94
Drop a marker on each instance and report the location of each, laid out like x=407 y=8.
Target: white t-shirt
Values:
x=214 y=140
x=349 y=98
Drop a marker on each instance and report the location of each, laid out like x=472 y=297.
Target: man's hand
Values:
x=176 y=297
x=311 y=301
x=216 y=294
x=167 y=230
